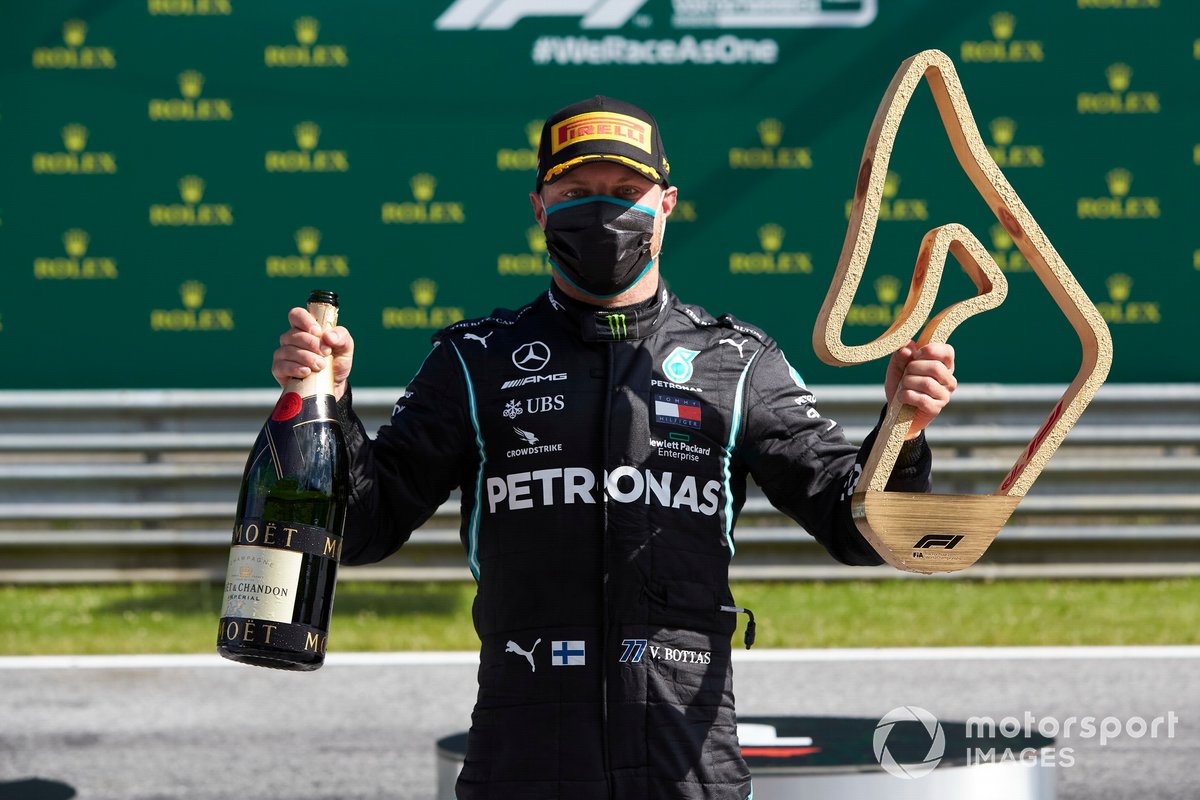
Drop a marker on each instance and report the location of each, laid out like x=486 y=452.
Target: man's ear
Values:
x=666 y=204
x=539 y=209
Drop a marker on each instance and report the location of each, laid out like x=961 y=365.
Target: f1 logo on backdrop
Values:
x=498 y=15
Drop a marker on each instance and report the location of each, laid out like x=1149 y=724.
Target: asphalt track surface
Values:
x=365 y=725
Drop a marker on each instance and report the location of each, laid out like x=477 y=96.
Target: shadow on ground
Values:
x=36 y=789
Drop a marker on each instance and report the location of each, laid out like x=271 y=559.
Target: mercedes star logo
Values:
x=531 y=356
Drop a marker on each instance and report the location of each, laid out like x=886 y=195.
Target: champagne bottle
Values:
x=287 y=537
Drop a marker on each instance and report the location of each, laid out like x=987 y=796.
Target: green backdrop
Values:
x=177 y=173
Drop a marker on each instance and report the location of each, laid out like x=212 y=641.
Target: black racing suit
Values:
x=602 y=457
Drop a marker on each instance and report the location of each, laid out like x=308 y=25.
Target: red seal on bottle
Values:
x=289 y=405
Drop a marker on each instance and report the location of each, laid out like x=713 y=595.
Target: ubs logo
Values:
x=190 y=106
x=423 y=211
x=771 y=259
x=770 y=155
x=531 y=356
x=74 y=55
x=77 y=160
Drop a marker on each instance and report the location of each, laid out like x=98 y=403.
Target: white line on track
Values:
x=471 y=658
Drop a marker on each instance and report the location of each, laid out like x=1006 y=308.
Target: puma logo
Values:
x=481 y=339
x=513 y=647
x=738 y=345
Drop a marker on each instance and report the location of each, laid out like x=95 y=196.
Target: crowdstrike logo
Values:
x=499 y=15
x=937 y=743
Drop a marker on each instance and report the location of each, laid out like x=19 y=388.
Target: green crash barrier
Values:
x=178 y=173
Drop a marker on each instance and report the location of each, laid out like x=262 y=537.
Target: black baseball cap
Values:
x=601 y=128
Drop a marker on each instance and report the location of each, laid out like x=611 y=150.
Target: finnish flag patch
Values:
x=568 y=654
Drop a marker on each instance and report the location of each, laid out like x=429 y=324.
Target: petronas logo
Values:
x=678 y=365
x=617 y=326
x=306 y=52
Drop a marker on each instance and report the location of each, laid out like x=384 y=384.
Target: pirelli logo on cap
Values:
x=600 y=125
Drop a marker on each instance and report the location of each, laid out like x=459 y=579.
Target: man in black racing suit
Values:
x=602 y=436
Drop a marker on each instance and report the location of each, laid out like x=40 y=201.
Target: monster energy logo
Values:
x=616 y=325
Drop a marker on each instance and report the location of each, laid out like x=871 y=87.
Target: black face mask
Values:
x=600 y=244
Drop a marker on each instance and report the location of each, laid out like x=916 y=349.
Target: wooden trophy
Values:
x=930 y=533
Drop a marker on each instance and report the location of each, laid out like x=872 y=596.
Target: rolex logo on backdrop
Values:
x=524 y=158
x=423 y=313
x=72 y=54
x=894 y=207
x=1004 y=254
x=1119 y=204
x=1002 y=47
x=193 y=316
x=191 y=212
x=1120 y=310
x=307 y=157
x=1006 y=154
x=883 y=312
x=189 y=8
x=77 y=264
x=1118 y=99
x=771 y=155
x=533 y=262
x=771 y=259
x=190 y=106
x=75 y=159
x=306 y=52
x=308 y=263
x=423 y=210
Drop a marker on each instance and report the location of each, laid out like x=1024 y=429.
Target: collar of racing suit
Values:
x=611 y=324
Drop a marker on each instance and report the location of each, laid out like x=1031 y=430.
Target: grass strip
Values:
x=182 y=618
